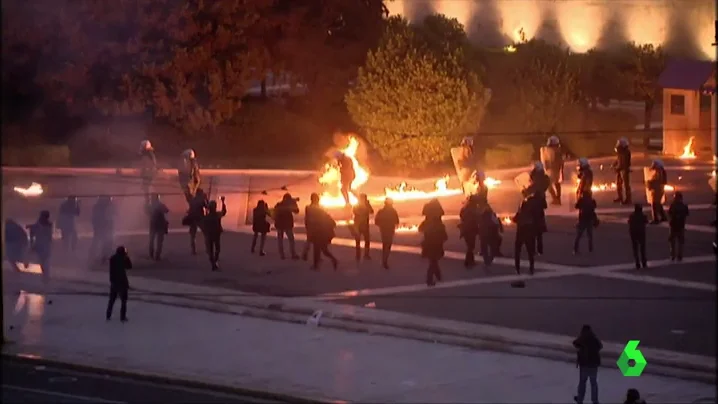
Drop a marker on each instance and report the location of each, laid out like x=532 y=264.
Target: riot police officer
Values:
x=347 y=175
x=148 y=168
x=552 y=159
x=656 y=188
x=622 y=166
x=188 y=175
x=585 y=178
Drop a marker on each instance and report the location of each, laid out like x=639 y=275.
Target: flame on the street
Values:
x=510 y=49
x=688 y=152
x=600 y=187
x=407 y=228
x=332 y=177
x=491 y=183
x=404 y=192
x=34 y=189
x=507 y=220
x=669 y=188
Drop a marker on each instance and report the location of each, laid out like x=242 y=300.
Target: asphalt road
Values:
x=26 y=381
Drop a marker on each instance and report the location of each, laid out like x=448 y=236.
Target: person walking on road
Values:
x=526 y=228
x=552 y=160
x=68 y=214
x=323 y=231
x=16 y=242
x=195 y=216
x=469 y=229
x=213 y=232
x=490 y=229
x=637 y=222
x=656 y=188
x=311 y=223
x=678 y=214
x=587 y=220
x=387 y=220
x=622 y=166
x=260 y=226
x=284 y=212
x=588 y=360
x=432 y=246
x=41 y=242
x=159 y=226
x=362 y=213
x=119 y=284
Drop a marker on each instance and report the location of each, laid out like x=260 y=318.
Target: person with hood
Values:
x=469 y=229
x=188 y=174
x=311 y=223
x=587 y=220
x=588 y=360
x=633 y=397
x=637 y=222
x=433 y=208
x=158 y=226
x=148 y=168
x=41 y=242
x=260 y=226
x=539 y=181
x=622 y=166
x=526 y=229
x=119 y=284
x=677 y=216
x=347 y=175
x=539 y=184
x=362 y=213
x=482 y=191
x=68 y=213
x=656 y=185
x=490 y=229
x=212 y=228
x=387 y=220
x=552 y=160
x=284 y=212
x=585 y=177
x=16 y=243
x=323 y=231
x=432 y=245
x=103 y=228
x=195 y=216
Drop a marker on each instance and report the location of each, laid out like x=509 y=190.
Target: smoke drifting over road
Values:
x=684 y=27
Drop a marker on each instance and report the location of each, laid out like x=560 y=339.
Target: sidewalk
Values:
x=298 y=360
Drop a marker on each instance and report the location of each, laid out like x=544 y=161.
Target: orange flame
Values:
x=332 y=177
x=34 y=189
x=507 y=220
x=688 y=152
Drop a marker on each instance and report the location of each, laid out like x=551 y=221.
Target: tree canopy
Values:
x=415 y=96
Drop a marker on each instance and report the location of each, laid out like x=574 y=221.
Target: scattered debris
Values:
x=370 y=305
x=314 y=318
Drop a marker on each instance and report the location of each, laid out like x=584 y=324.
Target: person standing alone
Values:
x=387 y=220
x=119 y=284
x=588 y=360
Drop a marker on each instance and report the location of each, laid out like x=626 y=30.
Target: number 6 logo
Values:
x=631 y=353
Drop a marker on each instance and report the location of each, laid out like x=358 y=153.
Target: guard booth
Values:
x=689 y=107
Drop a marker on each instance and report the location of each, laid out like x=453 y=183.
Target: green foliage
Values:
x=415 y=99
x=598 y=77
x=508 y=156
x=640 y=67
x=30 y=156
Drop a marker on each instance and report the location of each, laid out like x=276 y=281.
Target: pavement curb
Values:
x=167 y=380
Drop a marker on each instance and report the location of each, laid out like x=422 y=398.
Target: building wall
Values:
x=678 y=129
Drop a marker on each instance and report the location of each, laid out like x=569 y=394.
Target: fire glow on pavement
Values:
x=33 y=190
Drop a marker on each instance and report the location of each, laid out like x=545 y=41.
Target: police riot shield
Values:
x=548 y=159
x=647 y=175
x=465 y=165
x=523 y=181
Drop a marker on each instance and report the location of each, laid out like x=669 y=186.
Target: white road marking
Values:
x=655 y=264
x=56 y=394
x=640 y=277
x=692 y=227
x=127 y=233
x=442 y=285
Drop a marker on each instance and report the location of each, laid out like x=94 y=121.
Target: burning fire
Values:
x=404 y=192
x=407 y=229
x=34 y=189
x=688 y=153
x=506 y=220
x=332 y=176
x=612 y=186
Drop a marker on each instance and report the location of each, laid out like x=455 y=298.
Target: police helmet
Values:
x=553 y=141
x=467 y=141
x=538 y=166
x=188 y=154
x=145 y=145
x=583 y=162
x=656 y=163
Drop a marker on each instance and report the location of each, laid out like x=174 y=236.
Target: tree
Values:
x=598 y=78
x=641 y=66
x=544 y=86
x=415 y=101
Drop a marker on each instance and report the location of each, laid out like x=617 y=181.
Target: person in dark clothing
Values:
x=677 y=216
x=526 y=229
x=119 y=284
x=585 y=177
x=347 y=174
x=587 y=220
x=540 y=218
x=260 y=226
x=387 y=220
x=482 y=191
x=284 y=212
x=622 y=166
x=159 y=226
x=490 y=229
x=68 y=213
x=41 y=242
x=362 y=213
x=323 y=231
x=310 y=223
x=540 y=182
x=195 y=216
x=103 y=228
x=432 y=208
x=633 y=397
x=637 y=222
x=432 y=246
x=469 y=229
x=148 y=168
x=656 y=188
x=213 y=230
x=16 y=243
x=588 y=360
x=552 y=159
x=188 y=174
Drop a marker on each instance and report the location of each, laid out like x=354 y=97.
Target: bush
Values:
x=508 y=156
x=40 y=155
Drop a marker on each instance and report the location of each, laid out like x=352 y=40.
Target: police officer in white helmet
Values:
x=656 y=187
x=148 y=168
x=552 y=160
x=188 y=174
x=622 y=166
